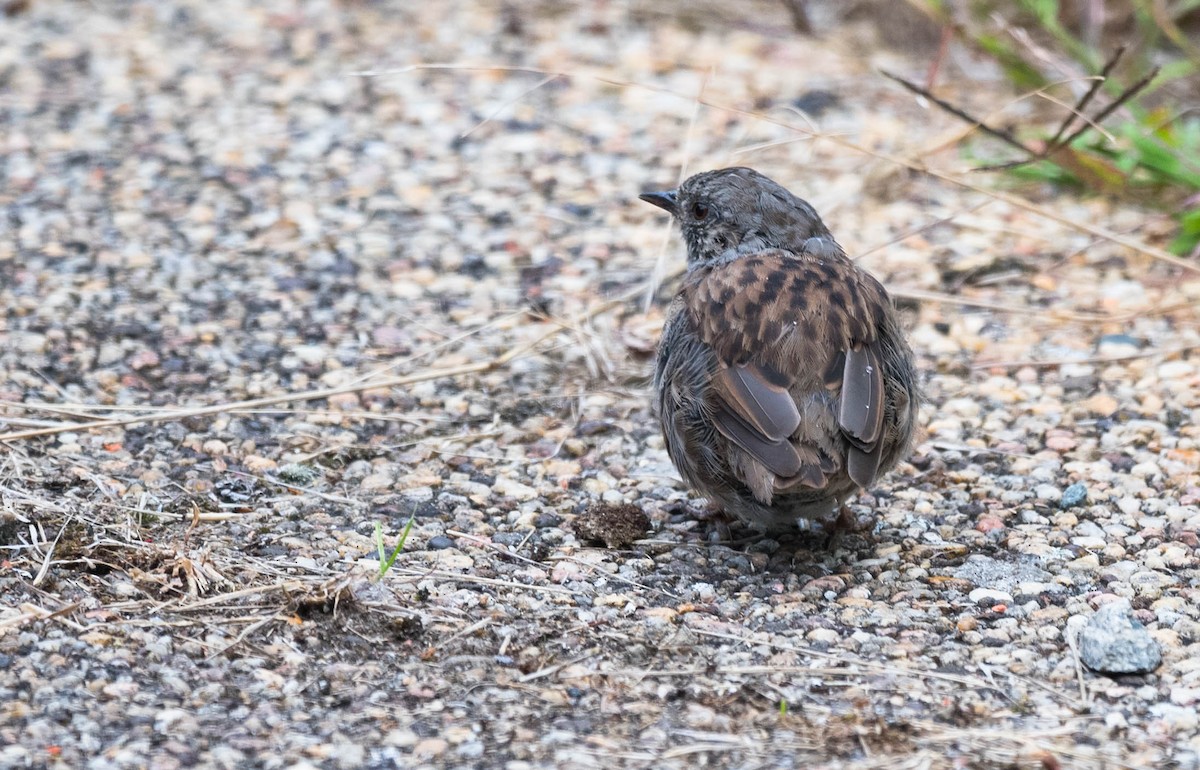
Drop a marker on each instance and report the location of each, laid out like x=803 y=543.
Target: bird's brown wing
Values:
x=786 y=328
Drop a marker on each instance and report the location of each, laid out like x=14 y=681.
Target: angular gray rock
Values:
x=986 y=572
x=1113 y=642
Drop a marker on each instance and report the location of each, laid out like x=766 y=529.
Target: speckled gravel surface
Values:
x=205 y=205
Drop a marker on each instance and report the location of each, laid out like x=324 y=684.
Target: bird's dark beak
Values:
x=664 y=200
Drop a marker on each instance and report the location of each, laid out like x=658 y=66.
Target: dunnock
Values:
x=784 y=383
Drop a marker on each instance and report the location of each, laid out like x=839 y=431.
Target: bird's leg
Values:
x=718 y=520
x=845 y=522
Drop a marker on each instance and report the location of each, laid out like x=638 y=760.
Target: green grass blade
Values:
x=386 y=564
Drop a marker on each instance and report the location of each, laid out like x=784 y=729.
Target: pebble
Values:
x=1061 y=443
x=1185 y=696
x=1073 y=495
x=296 y=474
x=515 y=489
x=1146 y=469
x=989 y=597
x=1129 y=505
x=1121 y=570
x=1113 y=642
x=1002 y=576
x=1181 y=719
x=989 y=523
x=824 y=635
x=1048 y=492
x=1101 y=403
x=1176 y=370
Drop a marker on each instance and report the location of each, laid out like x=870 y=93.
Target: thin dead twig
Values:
x=478 y=625
x=464 y=577
x=285 y=586
x=202 y=516
x=920 y=229
x=31 y=612
x=300 y=490
x=356 y=387
x=613 y=575
x=45 y=568
x=925 y=295
x=1054 y=364
x=369 y=376
x=541 y=673
x=880 y=667
x=242 y=636
x=256 y=402
x=657 y=273
x=484 y=543
x=507 y=104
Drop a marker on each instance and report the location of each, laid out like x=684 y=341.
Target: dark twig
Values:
x=1002 y=135
x=1055 y=145
x=1087 y=97
x=1110 y=109
x=1057 y=142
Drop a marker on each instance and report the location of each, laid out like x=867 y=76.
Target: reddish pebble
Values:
x=989 y=523
x=1060 y=443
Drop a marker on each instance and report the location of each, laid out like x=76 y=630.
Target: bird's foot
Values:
x=714 y=521
x=845 y=522
x=718 y=520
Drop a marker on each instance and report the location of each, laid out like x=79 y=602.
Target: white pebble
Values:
x=1129 y=505
x=990 y=596
x=1048 y=492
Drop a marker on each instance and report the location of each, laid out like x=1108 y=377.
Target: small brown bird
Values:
x=784 y=383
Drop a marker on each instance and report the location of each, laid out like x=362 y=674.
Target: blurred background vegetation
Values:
x=1148 y=149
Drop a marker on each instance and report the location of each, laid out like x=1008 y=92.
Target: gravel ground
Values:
x=336 y=301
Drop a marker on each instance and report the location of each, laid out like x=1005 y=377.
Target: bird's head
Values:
x=737 y=210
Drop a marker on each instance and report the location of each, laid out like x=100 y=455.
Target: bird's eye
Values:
x=699 y=210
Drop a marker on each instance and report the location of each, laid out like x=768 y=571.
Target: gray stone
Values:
x=986 y=572
x=1113 y=642
x=1072 y=496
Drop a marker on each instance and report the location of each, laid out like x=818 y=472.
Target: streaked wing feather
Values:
x=810 y=475
x=863 y=465
x=860 y=411
x=766 y=406
x=779 y=457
